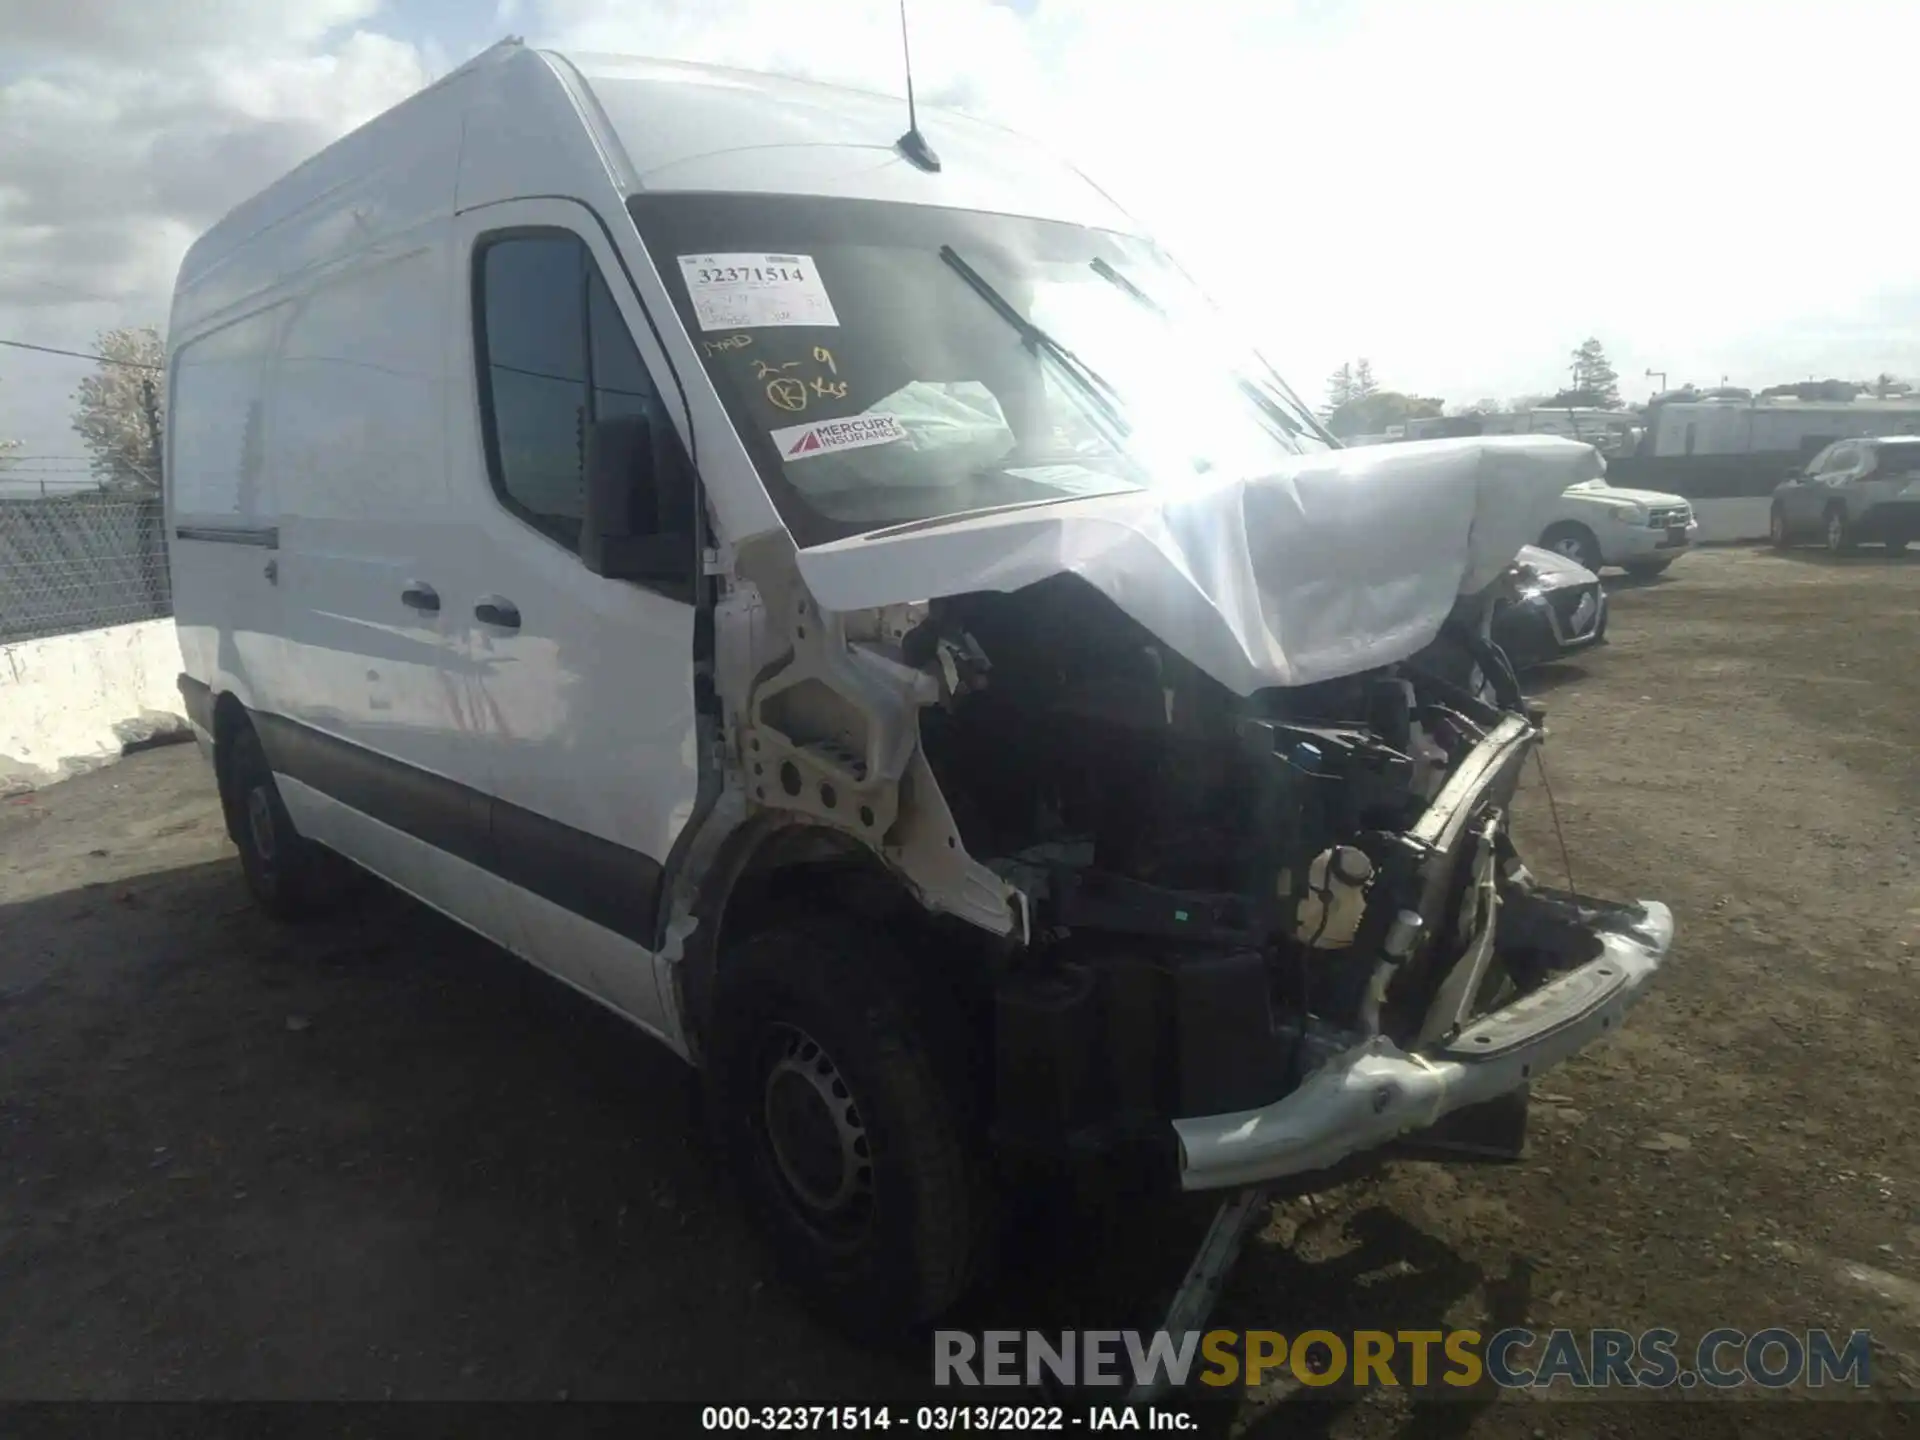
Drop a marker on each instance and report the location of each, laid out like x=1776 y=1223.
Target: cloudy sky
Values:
x=1460 y=191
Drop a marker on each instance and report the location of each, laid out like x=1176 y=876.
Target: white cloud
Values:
x=1461 y=192
x=134 y=30
x=134 y=129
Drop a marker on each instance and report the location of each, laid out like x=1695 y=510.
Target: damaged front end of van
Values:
x=1254 y=931
x=1115 y=767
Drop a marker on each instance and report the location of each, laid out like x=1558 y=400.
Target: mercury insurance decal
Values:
x=823 y=437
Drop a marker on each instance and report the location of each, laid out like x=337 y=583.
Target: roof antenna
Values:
x=913 y=144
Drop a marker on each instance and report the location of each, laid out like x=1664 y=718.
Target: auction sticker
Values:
x=746 y=292
x=823 y=437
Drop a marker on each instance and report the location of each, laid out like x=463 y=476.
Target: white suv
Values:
x=1641 y=531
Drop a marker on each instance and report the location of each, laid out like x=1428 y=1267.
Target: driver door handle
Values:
x=497 y=610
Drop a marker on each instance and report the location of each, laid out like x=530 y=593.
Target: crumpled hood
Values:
x=1338 y=563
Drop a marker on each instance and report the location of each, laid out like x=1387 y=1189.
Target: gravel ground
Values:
x=377 y=1158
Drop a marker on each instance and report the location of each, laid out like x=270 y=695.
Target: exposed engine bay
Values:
x=1227 y=905
x=1224 y=890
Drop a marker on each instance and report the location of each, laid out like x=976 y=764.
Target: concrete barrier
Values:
x=74 y=702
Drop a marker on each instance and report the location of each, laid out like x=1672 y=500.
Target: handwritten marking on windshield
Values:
x=762 y=370
x=829 y=389
x=824 y=356
x=787 y=393
x=730 y=342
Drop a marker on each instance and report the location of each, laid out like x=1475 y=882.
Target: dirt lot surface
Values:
x=376 y=1158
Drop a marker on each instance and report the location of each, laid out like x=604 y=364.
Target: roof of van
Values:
x=514 y=121
x=687 y=127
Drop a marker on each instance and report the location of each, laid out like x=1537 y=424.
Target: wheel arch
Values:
x=1570 y=526
x=773 y=866
x=230 y=718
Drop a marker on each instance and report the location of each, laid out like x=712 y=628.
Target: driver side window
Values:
x=556 y=358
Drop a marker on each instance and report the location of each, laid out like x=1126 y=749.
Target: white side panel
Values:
x=464 y=892
x=360 y=466
x=607 y=966
x=482 y=902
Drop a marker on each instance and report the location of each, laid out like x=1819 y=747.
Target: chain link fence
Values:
x=78 y=562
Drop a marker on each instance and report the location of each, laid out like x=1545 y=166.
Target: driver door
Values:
x=579 y=688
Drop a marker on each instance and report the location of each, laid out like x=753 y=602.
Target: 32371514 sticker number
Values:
x=744 y=291
x=757 y=1418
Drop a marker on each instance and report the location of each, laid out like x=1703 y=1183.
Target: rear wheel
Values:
x=852 y=1129
x=1839 y=532
x=1777 y=528
x=290 y=877
x=1574 y=541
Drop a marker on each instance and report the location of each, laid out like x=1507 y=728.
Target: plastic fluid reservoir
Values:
x=1337 y=881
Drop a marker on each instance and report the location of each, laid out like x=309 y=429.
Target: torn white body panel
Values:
x=1336 y=564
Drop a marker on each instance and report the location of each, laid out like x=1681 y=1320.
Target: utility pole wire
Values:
x=82 y=355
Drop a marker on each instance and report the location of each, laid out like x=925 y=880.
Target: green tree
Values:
x=1594 y=375
x=1339 y=388
x=110 y=409
x=1375 y=413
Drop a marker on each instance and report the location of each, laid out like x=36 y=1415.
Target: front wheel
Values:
x=1839 y=532
x=1574 y=541
x=853 y=1132
x=1777 y=529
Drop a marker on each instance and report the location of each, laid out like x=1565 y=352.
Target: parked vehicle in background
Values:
x=1853 y=492
x=1558 y=608
x=862 y=616
x=1640 y=531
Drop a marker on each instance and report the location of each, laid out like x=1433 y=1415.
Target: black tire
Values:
x=1575 y=541
x=851 y=1125
x=1838 y=531
x=1777 y=531
x=291 y=878
x=1647 y=569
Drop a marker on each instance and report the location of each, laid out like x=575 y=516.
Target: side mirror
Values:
x=626 y=532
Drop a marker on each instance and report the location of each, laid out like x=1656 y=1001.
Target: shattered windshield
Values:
x=890 y=363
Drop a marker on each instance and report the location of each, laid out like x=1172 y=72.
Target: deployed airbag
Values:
x=1341 y=562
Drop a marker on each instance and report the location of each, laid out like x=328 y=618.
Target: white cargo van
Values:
x=852 y=609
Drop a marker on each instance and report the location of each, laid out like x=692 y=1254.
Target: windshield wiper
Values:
x=1273 y=408
x=1096 y=387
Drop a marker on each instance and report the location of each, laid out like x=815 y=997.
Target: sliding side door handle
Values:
x=421 y=596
